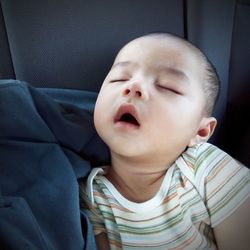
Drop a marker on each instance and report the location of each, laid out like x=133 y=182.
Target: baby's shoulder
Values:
x=205 y=161
x=207 y=157
x=202 y=151
x=211 y=169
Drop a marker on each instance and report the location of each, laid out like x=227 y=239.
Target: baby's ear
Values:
x=205 y=131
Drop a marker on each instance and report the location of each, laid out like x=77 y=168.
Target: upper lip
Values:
x=127 y=109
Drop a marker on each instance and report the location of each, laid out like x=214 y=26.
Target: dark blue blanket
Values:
x=47 y=142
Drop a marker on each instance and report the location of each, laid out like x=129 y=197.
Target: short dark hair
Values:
x=211 y=82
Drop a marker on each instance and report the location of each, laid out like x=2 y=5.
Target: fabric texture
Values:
x=202 y=188
x=47 y=142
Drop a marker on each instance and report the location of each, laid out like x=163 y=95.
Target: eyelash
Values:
x=169 y=89
x=159 y=86
x=118 y=80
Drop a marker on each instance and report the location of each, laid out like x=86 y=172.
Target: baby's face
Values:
x=151 y=102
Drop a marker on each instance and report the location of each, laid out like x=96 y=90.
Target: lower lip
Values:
x=126 y=126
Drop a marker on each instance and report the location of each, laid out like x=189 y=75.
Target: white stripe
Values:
x=91 y=177
x=144 y=206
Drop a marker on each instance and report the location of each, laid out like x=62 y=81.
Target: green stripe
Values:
x=234 y=192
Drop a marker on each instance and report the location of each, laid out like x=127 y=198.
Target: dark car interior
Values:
x=54 y=44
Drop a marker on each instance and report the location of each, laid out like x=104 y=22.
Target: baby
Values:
x=166 y=187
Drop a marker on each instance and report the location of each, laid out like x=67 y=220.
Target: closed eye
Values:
x=118 y=80
x=162 y=87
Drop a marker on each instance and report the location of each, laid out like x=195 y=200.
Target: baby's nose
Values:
x=135 y=89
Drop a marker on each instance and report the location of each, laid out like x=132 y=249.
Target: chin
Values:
x=127 y=151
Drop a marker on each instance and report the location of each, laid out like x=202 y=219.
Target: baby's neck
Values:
x=138 y=182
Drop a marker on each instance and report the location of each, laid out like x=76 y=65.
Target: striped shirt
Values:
x=203 y=187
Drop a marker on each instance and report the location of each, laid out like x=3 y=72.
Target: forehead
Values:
x=158 y=52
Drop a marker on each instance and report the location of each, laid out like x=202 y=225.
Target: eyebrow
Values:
x=170 y=70
x=121 y=64
x=174 y=71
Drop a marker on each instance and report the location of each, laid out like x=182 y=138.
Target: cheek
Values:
x=99 y=112
x=96 y=116
x=176 y=118
x=103 y=109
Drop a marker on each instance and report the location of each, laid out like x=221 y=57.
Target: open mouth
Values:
x=129 y=118
x=127 y=114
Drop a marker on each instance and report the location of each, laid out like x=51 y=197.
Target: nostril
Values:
x=127 y=91
x=139 y=93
